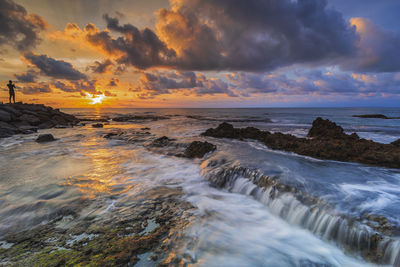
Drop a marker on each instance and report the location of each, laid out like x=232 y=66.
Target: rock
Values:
x=31 y=119
x=396 y=143
x=162 y=142
x=11 y=110
x=7 y=130
x=5 y=116
x=45 y=138
x=325 y=129
x=28 y=129
x=109 y=135
x=370 y=116
x=328 y=141
x=97 y=125
x=145 y=129
x=198 y=149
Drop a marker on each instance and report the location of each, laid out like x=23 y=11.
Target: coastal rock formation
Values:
x=198 y=149
x=22 y=118
x=328 y=141
x=375 y=116
x=162 y=142
x=45 y=138
x=97 y=125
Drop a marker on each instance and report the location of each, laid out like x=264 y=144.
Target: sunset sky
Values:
x=201 y=53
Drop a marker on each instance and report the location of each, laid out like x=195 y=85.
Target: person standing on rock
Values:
x=11 y=88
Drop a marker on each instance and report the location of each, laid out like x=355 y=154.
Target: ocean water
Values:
x=249 y=226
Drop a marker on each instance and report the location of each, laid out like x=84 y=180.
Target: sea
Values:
x=249 y=225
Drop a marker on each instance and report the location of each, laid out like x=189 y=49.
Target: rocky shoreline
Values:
x=326 y=140
x=22 y=118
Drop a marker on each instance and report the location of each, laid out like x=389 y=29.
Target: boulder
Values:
x=198 y=149
x=11 y=110
x=45 y=138
x=31 y=119
x=396 y=143
x=5 y=116
x=223 y=130
x=97 y=125
x=162 y=142
x=7 y=130
x=325 y=129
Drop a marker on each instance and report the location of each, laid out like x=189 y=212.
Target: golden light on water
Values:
x=95 y=99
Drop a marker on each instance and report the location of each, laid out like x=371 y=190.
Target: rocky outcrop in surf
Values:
x=21 y=118
x=375 y=116
x=326 y=141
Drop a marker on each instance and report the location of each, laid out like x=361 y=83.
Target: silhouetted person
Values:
x=11 y=88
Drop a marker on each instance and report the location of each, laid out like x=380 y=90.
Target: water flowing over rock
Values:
x=328 y=141
x=300 y=209
x=97 y=125
x=20 y=118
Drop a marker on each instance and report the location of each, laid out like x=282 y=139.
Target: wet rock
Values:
x=45 y=138
x=5 y=116
x=109 y=135
x=7 y=130
x=162 y=142
x=329 y=141
x=31 y=119
x=198 y=149
x=325 y=129
x=97 y=125
x=145 y=129
x=396 y=143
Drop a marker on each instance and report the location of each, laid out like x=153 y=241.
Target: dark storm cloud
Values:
x=38 y=88
x=140 y=48
x=152 y=84
x=77 y=86
x=101 y=67
x=28 y=77
x=18 y=28
x=54 y=68
x=249 y=35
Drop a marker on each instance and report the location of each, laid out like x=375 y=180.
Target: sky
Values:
x=201 y=53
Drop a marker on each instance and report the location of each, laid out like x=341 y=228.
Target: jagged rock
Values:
x=5 y=116
x=11 y=110
x=325 y=129
x=31 y=119
x=328 y=142
x=7 y=130
x=45 y=138
x=396 y=143
x=162 y=141
x=97 y=125
x=198 y=149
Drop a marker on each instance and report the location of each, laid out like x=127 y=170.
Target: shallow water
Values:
x=233 y=225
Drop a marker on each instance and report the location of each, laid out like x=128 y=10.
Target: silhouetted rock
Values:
x=396 y=143
x=45 y=138
x=328 y=142
x=97 y=125
x=162 y=141
x=325 y=129
x=375 y=116
x=27 y=118
x=198 y=149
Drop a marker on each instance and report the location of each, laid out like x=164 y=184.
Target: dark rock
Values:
x=325 y=129
x=162 y=142
x=198 y=149
x=11 y=110
x=5 y=116
x=145 y=129
x=371 y=116
x=396 y=143
x=328 y=142
x=31 y=119
x=97 y=125
x=7 y=130
x=109 y=135
x=45 y=138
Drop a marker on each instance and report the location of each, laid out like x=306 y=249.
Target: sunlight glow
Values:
x=95 y=99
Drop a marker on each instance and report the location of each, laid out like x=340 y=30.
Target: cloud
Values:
x=113 y=82
x=101 y=67
x=18 y=28
x=77 y=86
x=139 y=48
x=54 y=68
x=28 y=77
x=377 y=49
x=156 y=83
x=34 y=89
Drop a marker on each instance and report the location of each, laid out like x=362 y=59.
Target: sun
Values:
x=95 y=99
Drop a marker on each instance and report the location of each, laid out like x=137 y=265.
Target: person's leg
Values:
x=14 y=97
x=10 y=99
